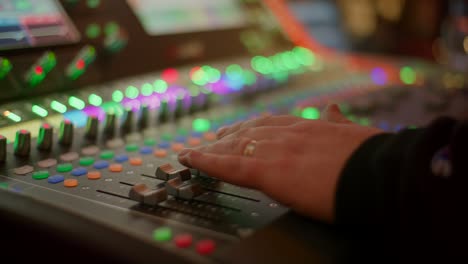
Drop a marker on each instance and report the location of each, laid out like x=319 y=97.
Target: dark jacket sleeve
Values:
x=389 y=191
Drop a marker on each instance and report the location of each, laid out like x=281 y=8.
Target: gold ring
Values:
x=249 y=149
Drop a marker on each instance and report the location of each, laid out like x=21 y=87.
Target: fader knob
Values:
x=109 y=125
x=92 y=126
x=66 y=133
x=144 y=117
x=44 y=139
x=3 y=144
x=129 y=121
x=22 y=145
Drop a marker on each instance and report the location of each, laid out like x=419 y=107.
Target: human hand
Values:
x=296 y=161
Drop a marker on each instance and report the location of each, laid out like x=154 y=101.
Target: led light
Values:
x=39 y=111
x=12 y=116
x=379 y=76
x=262 y=65
x=117 y=96
x=160 y=86
x=234 y=71
x=38 y=70
x=131 y=92
x=76 y=103
x=146 y=89
x=59 y=107
x=304 y=56
x=95 y=99
x=201 y=125
x=170 y=75
x=93 y=31
x=407 y=75
x=111 y=28
x=310 y=113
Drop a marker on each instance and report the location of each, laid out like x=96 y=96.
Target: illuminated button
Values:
x=150 y=142
x=182 y=132
x=162 y=234
x=94 y=175
x=136 y=161
x=210 y=136
x=115 y=167
x=65 y=167
x=69 y=156
x=56 y=179
x=177 y=147
x=146 y=150
x=107 y=155
x=80 y=171
x=47 y=163
x=89 y=151
x=86 y=161
x=205 y=247
x=23 y=170
x=131 y=147
x=180 y=139
x=183 y=240
x=197 y=134
x=40 y=175
x=101 y=164
x=160 y=153
x=121 y=158
x=70 y=183
x=164 y=144
x=166 y=136
x=193 y=142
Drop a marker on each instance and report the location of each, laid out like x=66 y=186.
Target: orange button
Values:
x=136 y=161
x=210 y=136
x=94 y=175
x=160 y=153
x=70 y=183
x=177 y=147
x=116 y=167
x=193 y=142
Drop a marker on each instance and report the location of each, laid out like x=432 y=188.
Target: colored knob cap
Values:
x=44 y=139
x=22 y=144
x=92 y=126
x=66 y=133
x=3 y=144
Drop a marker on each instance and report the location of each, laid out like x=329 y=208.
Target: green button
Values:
x=40 y=175
x=150 y=142
x=65 y=167
x=131 y=147
x=86 y=161
x=107 y=154
x=4 y=185
x=182 y=132
x=162 y=234
x=166 y=137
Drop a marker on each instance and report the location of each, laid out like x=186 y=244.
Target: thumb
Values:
x=332 y=113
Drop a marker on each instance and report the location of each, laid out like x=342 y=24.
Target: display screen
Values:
x=31 y=23
x=181 y=16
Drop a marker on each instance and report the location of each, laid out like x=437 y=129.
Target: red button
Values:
x=183 y=240
x=205 y=247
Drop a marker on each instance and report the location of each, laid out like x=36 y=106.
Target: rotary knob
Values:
x=66 y=133
x=22 y=145
x=92 y=127
x=44 y=139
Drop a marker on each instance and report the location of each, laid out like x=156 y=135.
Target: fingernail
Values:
x=221 y=131
x=184 y=152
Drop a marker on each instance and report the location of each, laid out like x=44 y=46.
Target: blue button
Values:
x=146 y=150
x=197 y=134
x=80 y=171
x=180 y=139
x=164 y=144
x=121 y=158
x=56 y=179
x=101 y=164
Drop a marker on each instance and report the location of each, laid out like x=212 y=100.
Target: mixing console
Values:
x=100 y=147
